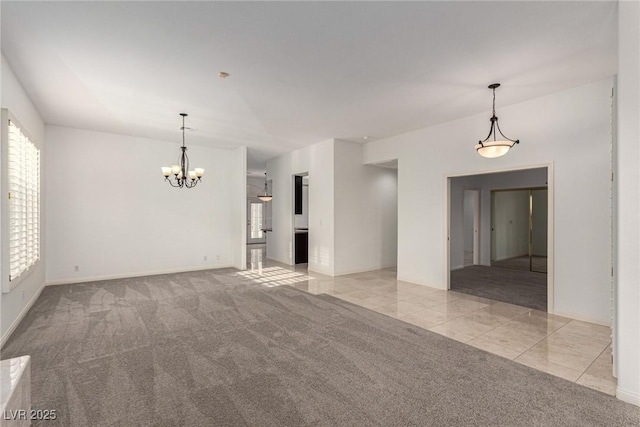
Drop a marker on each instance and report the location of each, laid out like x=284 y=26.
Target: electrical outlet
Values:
x=217 y=257
x=76 y=268
x=204 y=258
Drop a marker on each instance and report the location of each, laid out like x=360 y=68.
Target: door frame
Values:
x=476 y=222
x=550 y=223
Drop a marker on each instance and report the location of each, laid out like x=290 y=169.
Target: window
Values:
x=256 y=221
x=24 y=202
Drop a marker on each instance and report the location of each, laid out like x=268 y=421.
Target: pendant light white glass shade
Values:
x=199 y=172
x=166 y=171
x=493 y=149
x=265 y=198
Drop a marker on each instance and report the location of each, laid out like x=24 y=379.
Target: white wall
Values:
x=570 y=129
x=238 y=221
x=365 y=212
x=255 y=186
x=256 y=182
x=16 y=303
x=627 y=351
x=511 y=224
x=456 y=228
x=539 y=226
x=318 y=161
x=110 y=212
x=468 y=211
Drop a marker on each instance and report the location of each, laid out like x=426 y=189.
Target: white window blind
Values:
x=256 y=220
x=24 y=202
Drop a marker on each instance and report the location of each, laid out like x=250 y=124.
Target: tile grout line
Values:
x=516 y=359
x=547 y=336
x=594 y=361
x=495 y=327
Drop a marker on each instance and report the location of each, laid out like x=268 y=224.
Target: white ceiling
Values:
x=301 y=72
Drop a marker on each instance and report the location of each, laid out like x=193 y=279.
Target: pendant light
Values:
x=181 y=171
x=265 y=197
x=495 y=147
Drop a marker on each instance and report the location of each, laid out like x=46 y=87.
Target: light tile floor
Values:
x=570 y=349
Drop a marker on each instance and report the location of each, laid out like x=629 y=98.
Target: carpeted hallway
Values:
x=525 y=288
x=215 y=348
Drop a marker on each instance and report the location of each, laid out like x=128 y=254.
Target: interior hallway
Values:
x=574 y=350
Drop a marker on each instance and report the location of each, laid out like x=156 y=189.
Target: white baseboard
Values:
x=457 y=267
x=365 y=270
x=20 y=316
x=511 y=257
x=315 y=269
x=285 y=262
x=582 y=318
x=418 y=282
x=130 y=275
x=628 y=396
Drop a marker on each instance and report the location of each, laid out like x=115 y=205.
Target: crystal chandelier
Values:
x=182 y=176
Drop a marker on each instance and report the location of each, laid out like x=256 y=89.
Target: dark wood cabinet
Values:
x=298 y=195
x=302 y=247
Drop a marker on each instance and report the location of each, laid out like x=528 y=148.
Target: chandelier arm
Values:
x=491 y=130
x=503 y=135
x=172 y=184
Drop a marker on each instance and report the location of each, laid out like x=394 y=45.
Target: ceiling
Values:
x=300 y=72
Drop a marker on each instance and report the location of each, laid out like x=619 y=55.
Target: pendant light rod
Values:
x=183 y=128
x=183 y=177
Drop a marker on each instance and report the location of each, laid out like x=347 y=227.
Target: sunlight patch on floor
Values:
x=274 y=276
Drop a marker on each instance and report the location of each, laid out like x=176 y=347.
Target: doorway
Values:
x=528 y=236
x=301 y=218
